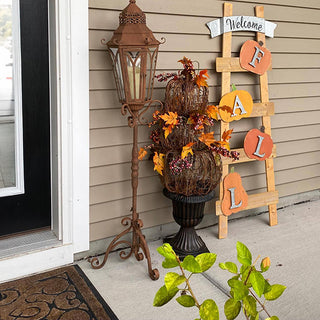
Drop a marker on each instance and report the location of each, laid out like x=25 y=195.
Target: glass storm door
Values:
x=25 y=183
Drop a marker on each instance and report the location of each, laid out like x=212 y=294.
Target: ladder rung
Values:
x=255 y=201
x=261 y=109
x=230 y=65
x=244 y=158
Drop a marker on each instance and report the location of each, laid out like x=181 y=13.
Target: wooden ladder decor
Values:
x=227 y=64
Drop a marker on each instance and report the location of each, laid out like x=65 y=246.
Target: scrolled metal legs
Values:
x=138 y=241
x=95 y=264
x=153 y=273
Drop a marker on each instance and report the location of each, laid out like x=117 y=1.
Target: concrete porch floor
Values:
x=293 y=247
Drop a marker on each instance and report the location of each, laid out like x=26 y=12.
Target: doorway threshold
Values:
x=22 y=244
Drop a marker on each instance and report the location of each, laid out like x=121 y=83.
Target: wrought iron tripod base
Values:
x=135 y=224
x=138 y=241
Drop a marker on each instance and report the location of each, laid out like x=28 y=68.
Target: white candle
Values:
x=134 y=84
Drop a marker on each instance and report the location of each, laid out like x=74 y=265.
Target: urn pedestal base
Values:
x=186 y=242
x=188 y=213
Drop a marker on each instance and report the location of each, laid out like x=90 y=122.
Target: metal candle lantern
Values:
x=133 y=49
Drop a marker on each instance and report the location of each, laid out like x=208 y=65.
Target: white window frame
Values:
x=70 y=143
x=17 y=92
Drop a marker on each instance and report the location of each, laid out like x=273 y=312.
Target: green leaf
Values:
x=236 y=277
x=238 y=288
x=275 y=292
x=167 y=251
x=256 y=317
x=243 y=254
x=232 y=309
x=163 y=296
x=172 y=280
x=273 y=318
x=267 y=287
x=258 y=282
x=230 y=266
x=223 y=266
x=170 y=263
x=186 y=301
x=189 y=263
x=244 y=269
x=250 y=305
x=209 y=310
x=206 y=260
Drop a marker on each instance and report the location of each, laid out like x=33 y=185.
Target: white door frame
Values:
x=69 y=65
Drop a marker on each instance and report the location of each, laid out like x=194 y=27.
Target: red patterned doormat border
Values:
x=61 y=294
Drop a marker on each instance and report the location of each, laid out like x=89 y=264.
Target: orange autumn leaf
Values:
x=155 y=115
x=185 y=61
x=212 y=112
x=226 y=108
x=201 y=79
x=223 y=144
x=170 y=118
x=191 y=120
x=186 y=150
x=167 y=130
x=227 y=135
x=158 y=161
x=204 y=74
x=207 y=138
x=142 y=153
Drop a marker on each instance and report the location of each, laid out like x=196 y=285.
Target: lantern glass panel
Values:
x=151 y=56
x=117 y=71
x=133 y=63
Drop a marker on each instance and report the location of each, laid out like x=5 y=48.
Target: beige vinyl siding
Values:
x=294 y=87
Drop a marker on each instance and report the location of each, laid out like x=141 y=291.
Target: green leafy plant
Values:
x=247 y=285
x=208 y=310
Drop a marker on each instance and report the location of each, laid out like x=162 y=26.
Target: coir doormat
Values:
x=62 y=294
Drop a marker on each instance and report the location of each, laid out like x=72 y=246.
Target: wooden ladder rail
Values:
x=265 y=109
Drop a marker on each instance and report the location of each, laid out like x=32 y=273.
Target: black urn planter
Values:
x=187 y=212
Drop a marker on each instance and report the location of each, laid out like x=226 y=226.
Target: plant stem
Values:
x=245 y=314
x=245 y=282
x=251 y=268
x=188 y=283
x=262 y=305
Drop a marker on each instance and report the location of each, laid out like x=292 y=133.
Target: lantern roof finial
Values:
x=132 y=14
x=132 y=30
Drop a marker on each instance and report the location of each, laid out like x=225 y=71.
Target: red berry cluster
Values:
x=177 y=165
x=199 y=120
x=225 y=152
x=165 y=76
x=155 y=136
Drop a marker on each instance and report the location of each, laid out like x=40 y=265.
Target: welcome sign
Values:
x=241 y=23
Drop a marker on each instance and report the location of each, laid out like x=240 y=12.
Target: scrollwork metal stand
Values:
x=135 y=224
